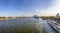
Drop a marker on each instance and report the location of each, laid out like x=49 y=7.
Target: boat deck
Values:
x=57 y=24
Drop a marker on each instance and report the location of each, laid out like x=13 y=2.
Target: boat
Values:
x=54 y=25
x=35 y=16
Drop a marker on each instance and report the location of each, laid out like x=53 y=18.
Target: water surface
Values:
x=25 y=25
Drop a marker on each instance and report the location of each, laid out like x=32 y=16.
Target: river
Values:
x=25 y=25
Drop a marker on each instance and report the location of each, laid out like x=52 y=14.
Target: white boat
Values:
x=55 y=25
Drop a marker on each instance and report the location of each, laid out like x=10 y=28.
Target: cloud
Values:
x=51 y=11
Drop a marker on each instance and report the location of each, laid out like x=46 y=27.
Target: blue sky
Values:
x=25 y=7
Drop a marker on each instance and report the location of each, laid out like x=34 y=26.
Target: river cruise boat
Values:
x=54 y=25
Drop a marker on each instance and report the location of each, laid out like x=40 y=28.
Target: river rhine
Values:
x=25 y=25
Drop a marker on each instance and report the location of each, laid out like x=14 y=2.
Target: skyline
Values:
x=29 y=7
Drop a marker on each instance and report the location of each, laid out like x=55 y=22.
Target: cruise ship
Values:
x=55 y=24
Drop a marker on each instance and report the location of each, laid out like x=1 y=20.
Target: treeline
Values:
x=2 y=17
x=50 y=17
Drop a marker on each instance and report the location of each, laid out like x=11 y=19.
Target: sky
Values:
x=29 y=7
